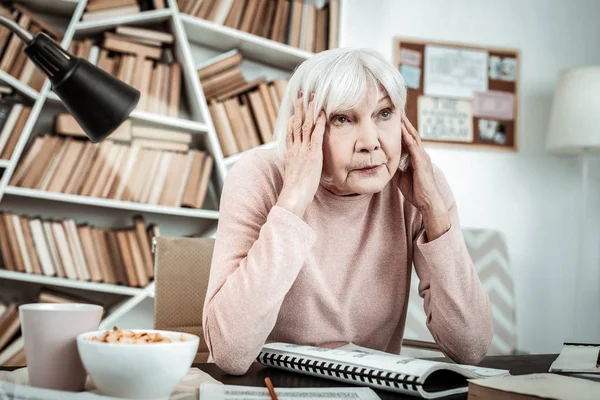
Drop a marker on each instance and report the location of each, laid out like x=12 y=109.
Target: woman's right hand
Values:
x=303 y=162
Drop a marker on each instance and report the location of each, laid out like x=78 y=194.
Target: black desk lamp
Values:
x=98 y=101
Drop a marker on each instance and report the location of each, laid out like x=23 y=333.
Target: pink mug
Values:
x=50 y=332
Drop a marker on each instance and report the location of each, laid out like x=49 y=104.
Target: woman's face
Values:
x=362 y=146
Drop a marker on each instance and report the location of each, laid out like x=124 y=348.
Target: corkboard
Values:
x=497 y=131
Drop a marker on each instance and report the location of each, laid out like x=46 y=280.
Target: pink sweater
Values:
x=341 y=274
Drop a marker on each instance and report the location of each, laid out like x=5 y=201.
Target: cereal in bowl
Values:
x=130 y=337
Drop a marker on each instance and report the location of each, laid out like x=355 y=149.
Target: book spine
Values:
x=343 y=372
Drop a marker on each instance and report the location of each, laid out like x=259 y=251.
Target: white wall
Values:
x=532 y=197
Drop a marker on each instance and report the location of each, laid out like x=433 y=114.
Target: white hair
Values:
x=339 y=78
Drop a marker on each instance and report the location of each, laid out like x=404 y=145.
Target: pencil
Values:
x=270 y=388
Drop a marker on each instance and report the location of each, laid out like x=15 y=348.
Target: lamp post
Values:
x=575 y=129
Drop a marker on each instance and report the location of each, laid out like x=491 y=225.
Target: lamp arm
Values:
x=23 y=34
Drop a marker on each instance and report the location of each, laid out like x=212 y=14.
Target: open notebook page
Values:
x=231 y=392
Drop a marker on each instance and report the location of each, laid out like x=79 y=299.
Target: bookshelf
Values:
x=197 y=42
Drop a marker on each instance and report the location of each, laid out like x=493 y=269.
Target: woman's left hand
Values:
x=418 y=185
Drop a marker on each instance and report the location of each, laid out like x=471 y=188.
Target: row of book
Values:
x=12 y=350
x=116 y=170
x=307 y=24
x=141 y=57
x=243 y=113
x=82 y=252
x=12 y=59
x=103 y=9
x=13 y=116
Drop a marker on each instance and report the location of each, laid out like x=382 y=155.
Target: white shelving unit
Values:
x=196 y=41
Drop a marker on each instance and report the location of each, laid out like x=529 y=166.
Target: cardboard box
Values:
x=182 y=269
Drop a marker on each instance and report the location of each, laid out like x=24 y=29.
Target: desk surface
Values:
x=518 y=365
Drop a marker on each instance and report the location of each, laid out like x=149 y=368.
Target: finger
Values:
x=298 y=118
x=411 y=129
x=411 y=144
x=289 y=132
x=309 y=119
x=316 y=139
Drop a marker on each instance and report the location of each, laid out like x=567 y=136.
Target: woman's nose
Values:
x=368 y=138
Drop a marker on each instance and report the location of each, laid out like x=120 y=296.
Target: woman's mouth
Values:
x=370 y=170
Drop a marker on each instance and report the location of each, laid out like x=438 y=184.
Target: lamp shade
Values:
x=575 y=115
x=98 y=101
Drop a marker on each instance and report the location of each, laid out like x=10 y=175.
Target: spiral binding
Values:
x=350 y=373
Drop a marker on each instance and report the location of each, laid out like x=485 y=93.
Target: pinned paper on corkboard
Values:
x=461 y=94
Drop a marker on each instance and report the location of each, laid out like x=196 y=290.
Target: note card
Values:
x=494 y=105
x=445 y=119
x=455 y=72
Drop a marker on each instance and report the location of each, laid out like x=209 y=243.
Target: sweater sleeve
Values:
x=259 y=251
x=456 y=304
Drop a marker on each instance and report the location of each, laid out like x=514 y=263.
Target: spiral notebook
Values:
x=365 y=367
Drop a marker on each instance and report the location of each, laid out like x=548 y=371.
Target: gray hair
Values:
x=339 y=78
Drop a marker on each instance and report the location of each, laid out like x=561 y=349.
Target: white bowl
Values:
x=138 y=371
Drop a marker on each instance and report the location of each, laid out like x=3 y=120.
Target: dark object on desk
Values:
x=98 y=101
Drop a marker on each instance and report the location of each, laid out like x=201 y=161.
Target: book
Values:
x=15 y=134
x=533 y=387
x=578 y=358
x=334 y=17
x=9 y=328
x=96 y=5
x=143 y=33
x=365 y=367
x=110 y=13
x=234 y=18
x=218 y=64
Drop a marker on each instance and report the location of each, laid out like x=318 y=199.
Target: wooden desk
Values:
x=518 y=365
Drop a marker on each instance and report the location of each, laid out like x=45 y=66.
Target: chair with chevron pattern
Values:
x=489 y=253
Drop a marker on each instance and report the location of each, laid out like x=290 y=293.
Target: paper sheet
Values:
x=231 y=392
x=410 y=57
x=445 y=119
x=411 y=75
x=455 y=73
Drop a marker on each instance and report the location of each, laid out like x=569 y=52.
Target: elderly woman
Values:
x=317 y=238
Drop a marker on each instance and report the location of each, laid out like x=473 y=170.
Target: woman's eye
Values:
x=341 y=119
x=386 y=113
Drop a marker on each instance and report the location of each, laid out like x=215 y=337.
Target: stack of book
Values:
x=140 y=164
x=102 y=9
x=12 y=352
x=69 y=250
x=13 y=116
x=142 y=58
x=310 y=25
x=12 y=59
x=244 y=113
